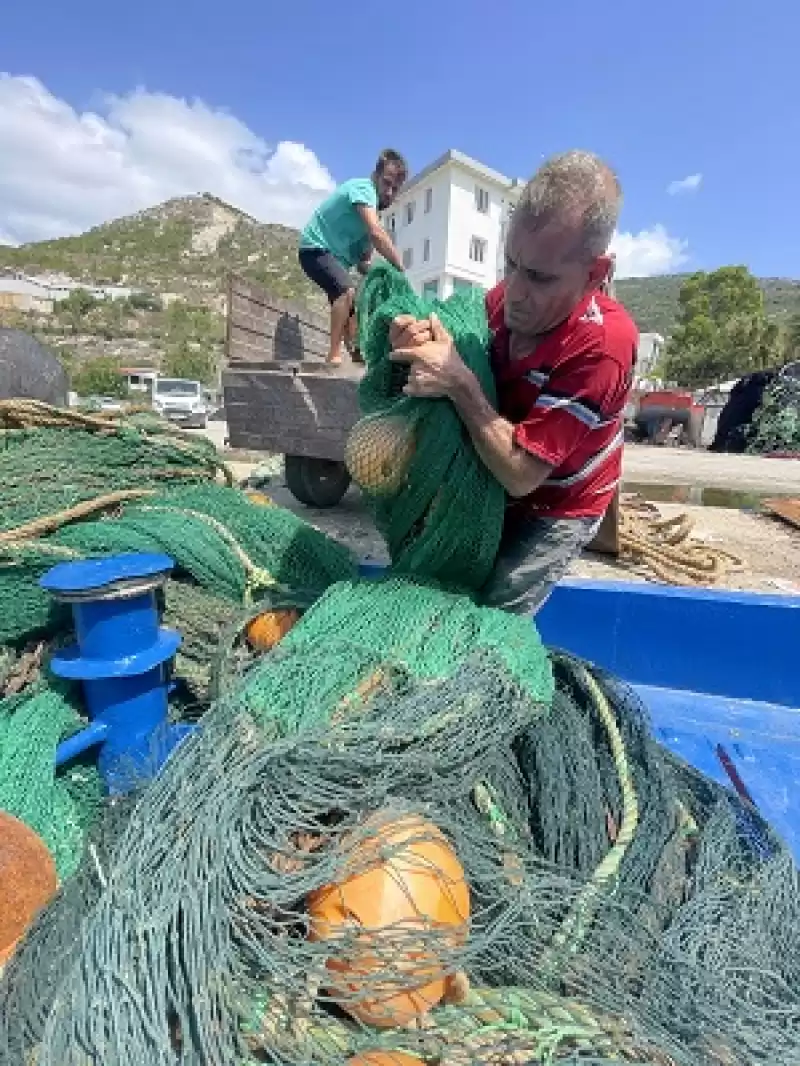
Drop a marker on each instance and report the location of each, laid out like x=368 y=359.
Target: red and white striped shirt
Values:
x=567 y=400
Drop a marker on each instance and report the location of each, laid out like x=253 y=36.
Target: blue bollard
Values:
x=121 y=657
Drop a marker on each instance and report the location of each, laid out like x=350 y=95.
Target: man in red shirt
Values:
x=563 y=355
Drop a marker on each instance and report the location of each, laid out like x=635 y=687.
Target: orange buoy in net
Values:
x=27 y=881
x=378 y=453
x=400 y=910
x=265 y=631
x=260 y=499
x=385 y=1058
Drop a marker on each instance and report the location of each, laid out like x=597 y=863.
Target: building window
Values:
x=426 y=250
x=481 y=200
x=461 y=283
x=477 y=249
x=408 y=257
x=391 y=226
x=430 y=290
x=428 y=200
x=410 y=212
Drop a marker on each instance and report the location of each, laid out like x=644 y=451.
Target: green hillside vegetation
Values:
x=654 y=302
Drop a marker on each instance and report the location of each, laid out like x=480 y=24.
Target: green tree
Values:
x=76 y=307
x=99 y=377
x=722 y=330
x=793 y=337
x=192 y=361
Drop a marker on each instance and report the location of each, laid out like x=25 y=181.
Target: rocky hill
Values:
x=185 y=246
x=182 y=250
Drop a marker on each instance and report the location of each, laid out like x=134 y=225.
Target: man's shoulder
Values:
x=602 y=326
x=358 y=190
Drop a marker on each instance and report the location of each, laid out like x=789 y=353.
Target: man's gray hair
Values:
x=576 y=185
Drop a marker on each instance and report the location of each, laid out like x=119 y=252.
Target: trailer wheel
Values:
x=316 y=482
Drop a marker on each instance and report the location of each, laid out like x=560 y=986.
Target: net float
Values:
x=401 y=908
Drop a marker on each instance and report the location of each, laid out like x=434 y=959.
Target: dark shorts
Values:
x=326 y=271
x=532 y=559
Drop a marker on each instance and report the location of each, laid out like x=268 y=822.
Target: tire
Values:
x=316 y=482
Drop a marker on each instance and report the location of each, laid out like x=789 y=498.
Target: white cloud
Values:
x=62 y=171
x=648 y=252
x=691 y=183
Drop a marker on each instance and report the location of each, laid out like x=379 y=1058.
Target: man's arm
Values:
x=438 y=370
x=519 y=472
x=381 y=240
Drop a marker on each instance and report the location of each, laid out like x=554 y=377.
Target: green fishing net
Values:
x=49 y=469
x=227 y=545
x=441 y=512
x=622 y=908
x=59 y=808
x=775 y=426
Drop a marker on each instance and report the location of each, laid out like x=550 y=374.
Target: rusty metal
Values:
x=788 y=510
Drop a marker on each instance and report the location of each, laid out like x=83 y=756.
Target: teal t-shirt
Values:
x=337 y=227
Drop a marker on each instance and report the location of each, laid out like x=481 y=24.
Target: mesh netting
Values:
x=620 y=907
x=59 y=808
x=229 y=546
x=775 y=426
x=434 y=501
x=155 y=492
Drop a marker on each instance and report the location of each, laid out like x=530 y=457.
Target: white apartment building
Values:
x=449 y=224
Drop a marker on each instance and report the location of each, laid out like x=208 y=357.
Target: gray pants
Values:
x=532 y=558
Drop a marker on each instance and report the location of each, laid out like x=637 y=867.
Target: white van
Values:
x=181 y=400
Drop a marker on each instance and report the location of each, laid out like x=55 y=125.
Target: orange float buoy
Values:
x=265 y=631
x=385 y=1058
x=28 y=881
x=401 y=908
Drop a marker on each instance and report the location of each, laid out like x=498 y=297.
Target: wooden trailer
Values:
x=280 y=394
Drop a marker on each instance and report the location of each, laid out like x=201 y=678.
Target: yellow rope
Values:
x=666 y=548
x=257 y=577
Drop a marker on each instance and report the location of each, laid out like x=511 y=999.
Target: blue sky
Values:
x=664 y=92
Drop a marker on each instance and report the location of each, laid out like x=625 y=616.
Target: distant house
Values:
x=449 y=224
x=39 y=293
x=24 y=294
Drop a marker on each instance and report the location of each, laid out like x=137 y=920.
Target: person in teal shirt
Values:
x=341 y=235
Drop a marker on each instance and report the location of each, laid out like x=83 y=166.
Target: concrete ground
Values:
x=768 y=548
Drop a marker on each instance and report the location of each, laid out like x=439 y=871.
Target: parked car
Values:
x=181 y=400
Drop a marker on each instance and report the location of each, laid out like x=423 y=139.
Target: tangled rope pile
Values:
x=664 y=546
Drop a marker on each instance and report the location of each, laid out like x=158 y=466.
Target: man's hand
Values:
x=436 y=367
x=364 y=263
x=409 y=332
